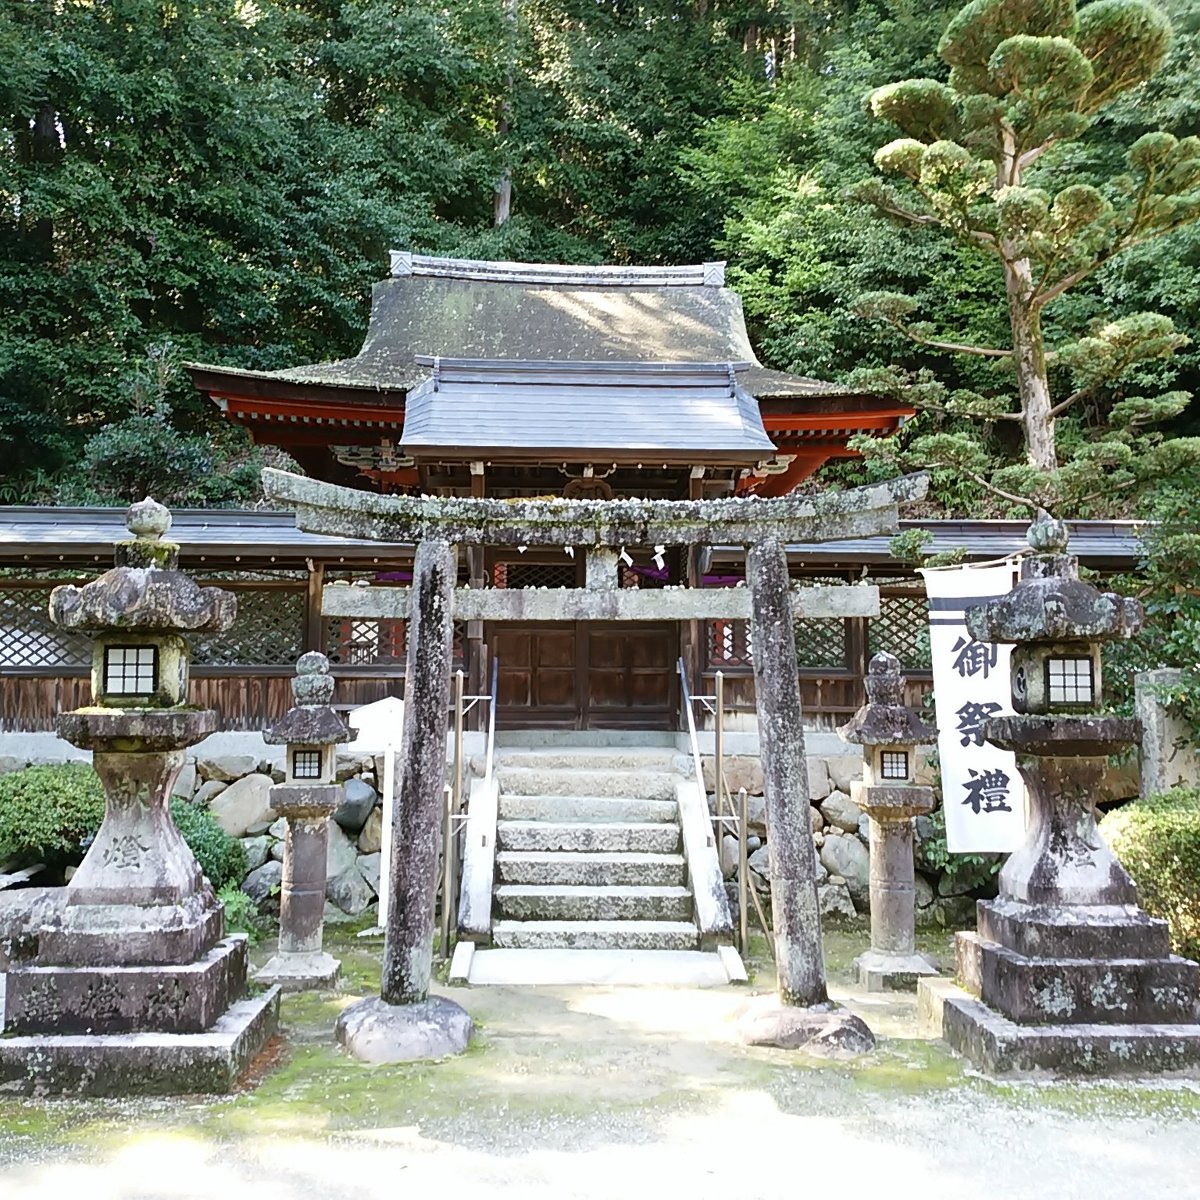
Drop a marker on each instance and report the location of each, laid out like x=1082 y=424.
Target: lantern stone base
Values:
x=378 y=1032
x=878 y=972
x=1000 y=1047
x=1069 y=990
x=298 y=972
x=145 y=1064
x=188 y=998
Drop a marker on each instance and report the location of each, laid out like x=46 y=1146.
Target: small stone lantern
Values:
x=889 y=733
x=1065 y=974
x=309 y=795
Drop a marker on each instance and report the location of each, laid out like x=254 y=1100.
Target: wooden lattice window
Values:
x=820 y=642
x=28 y=640
x=902 y=628
x=269 y=630
x=535 y=575
x=359 y=641
x=728 y=644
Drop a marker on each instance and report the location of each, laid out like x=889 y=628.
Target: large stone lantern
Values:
x=1066 y=973
x=889 y=733
x=308 y=796
x=139 y=946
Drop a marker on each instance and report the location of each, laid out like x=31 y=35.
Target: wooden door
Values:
x=586 y=675
x=631 y=681
x=539 y=674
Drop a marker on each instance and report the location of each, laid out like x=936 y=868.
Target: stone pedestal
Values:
x=134 y=988
x=300 y=961
x=1065 y=974
x=892 y=963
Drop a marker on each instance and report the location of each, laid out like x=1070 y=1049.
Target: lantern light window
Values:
x=131 y=670
x=1069 y=680
x=306 y=764
x=894 y=764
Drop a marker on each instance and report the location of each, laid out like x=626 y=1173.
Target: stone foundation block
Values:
x=1082 y=931
x=145 y=1064
x=1000 y=1047
x=108 y=1000
x=891 y=972
x=1074 y=991
x=99 y=935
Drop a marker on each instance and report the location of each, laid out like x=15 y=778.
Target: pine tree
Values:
x=981 y=162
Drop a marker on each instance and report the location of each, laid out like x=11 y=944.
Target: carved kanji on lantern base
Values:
x=138 y=945
x=889 y=733
x=1065 y=974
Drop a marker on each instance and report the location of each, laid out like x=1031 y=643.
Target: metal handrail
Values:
x=691 y=720
x=491 y=737
x=454 y=817
x=736 y=819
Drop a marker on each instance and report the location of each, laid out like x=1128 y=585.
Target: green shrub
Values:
x=960 y=874
x=1157 y=840
x=240 y=914
x=221 y=857
x=48 y=814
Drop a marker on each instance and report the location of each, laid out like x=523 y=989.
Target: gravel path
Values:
x=615 y=1093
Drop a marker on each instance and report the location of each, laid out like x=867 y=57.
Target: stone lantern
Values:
x=889 y=733
x=138 y=946
x=309 y=795
x=1066 y=973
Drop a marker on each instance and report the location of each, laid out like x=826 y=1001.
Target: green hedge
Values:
x=49 y=814
x=1157 y=840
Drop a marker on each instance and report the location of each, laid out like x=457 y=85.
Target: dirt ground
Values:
x=572 y=1092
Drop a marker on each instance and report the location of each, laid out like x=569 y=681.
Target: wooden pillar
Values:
x=313 y=624
x=796 y=912
x=416 y=827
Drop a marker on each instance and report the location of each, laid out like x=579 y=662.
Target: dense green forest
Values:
x=221 y=180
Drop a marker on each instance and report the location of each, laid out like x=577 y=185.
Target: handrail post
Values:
x=719 y=747
x=453 y=808
x=743 y=875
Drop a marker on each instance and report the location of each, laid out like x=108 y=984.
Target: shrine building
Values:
x=506 y=380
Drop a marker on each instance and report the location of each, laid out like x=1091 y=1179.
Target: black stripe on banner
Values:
x=948 y=621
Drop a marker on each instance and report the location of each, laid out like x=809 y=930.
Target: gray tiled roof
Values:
x=569 y=314
x=43 y=535
x=582 y=407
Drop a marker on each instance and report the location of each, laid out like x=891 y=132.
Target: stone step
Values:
x=599 y=968
x=515 y=807
x=526 y=902
x=570 y=781
x=597 y=870
x=595 y=935
x=615 y=758
x=582 y=836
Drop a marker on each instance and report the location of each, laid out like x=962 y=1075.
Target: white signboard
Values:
x=380 y=730
x=982 y=792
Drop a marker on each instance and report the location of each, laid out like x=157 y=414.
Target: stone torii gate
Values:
x=439 y=525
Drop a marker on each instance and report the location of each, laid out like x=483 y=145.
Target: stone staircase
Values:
x=589 y=851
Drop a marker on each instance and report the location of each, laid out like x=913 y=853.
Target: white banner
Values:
x=982 y=792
